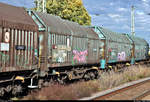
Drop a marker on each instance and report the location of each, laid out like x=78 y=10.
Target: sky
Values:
x=112 y=14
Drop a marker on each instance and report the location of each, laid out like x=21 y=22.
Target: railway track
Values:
x=143 y=95
x=135 y=90
x=103 y=97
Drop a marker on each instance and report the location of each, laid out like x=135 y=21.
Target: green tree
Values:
x=72 y=10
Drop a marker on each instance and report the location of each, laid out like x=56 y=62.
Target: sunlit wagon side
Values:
x=65 y=47
x=18 y=48
x=141 y=48
x=18 y=39
x=118 y=47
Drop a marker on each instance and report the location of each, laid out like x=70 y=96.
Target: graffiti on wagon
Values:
x=19 y=58
x=80 y=56
x=121 y=56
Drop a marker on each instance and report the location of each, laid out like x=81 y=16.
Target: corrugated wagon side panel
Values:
x=93 y=49
x=16 y=39
x=124 y=52
x=141 y=47
x=140 y=52
x=59 y=49
x=18 y=52
x=80 y=50
x=118 y=51
x=111 y=51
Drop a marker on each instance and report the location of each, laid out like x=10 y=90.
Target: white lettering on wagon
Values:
x=4 y=46
x=6 y=37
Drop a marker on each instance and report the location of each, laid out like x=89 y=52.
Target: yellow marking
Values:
x=49 y=57
x=70 y=76
x=95 y=68
x=20 y=78
x=15 y=98
x=109 y=66
x=127 y=64
x=57 y=73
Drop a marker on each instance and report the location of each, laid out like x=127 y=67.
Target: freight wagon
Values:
x=141 y=48
x=18 y=44
x=69 y=50
x=36 y=48
x=66 y=49
x=121 y=48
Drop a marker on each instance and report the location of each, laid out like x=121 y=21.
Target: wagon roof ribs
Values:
x=55 y=23
x=16 y=18
x=114 y=36
x=138 y=40
x=61 y=26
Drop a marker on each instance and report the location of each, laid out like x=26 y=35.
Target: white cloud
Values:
x=117 y=15
x=139 y=28
x=122 y=9
x=114 y=15
x=145 y=0
x=102 y=8
x=145 y=3
x=118 y=20
x=143 y=20
x=111 y=4
x=148 y=30
x=140 y=13
x=125 y=27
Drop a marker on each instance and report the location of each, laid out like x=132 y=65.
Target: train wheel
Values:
x=40 y=83
x=96 y=73
x=2 y=92
x=47 y=81
x=62 y=79
x=8 y=88
x=92 y=75
x=16 y=90
x=86 y=76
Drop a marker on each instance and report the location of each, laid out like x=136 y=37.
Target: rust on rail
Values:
x=111 y=92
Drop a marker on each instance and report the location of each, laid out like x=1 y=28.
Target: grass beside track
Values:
x=85 y=89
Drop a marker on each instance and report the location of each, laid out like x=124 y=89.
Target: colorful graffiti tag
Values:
x=121 y=56
x=20 y=60
x=80 y=56
x=59 y=56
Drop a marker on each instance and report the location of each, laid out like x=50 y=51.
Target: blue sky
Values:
x=112 y=14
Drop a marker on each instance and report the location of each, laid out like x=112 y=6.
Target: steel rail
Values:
x=144 y=94
x=110 y=92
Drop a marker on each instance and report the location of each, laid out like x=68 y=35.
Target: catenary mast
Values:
x=132 y=21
